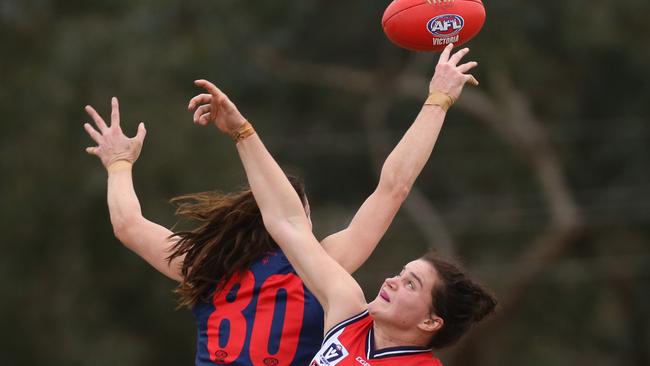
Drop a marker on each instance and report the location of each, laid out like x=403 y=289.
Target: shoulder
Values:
x=359 y=321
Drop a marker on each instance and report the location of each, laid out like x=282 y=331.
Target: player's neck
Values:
x=386 y=336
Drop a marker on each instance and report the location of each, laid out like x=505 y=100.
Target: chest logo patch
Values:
x=332 y=352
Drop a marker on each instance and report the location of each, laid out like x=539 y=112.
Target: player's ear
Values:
x=432 y=324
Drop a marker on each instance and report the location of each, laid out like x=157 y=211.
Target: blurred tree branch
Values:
x=380 y=89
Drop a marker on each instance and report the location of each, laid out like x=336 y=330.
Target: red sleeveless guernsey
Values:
x=351 y=343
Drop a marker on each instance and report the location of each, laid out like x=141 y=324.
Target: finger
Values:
x=204 y=119
x=142 y=132
x=92 y=150
x=96 y=136
x=471 y=80
x=444 y=56
x=467 y=66
x=199 y=99
x=455 y=58
x=99 y=122
x=211 y=88
x=204 y=109
x=115 y=112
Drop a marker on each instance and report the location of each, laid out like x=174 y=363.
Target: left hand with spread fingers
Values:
x=112 y=144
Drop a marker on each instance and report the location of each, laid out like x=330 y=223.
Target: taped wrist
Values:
x=440 y=99
x=119 y=165
x=243 y=132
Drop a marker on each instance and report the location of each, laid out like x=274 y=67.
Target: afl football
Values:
x=430 y=25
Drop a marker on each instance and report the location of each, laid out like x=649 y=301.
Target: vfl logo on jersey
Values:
x=446 y=25
x=331 y=353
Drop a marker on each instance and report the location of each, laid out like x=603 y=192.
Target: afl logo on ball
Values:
x=446 y=25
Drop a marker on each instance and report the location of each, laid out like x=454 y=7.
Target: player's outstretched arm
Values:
x=117 y=153
x=282 y=210
x=352 y=246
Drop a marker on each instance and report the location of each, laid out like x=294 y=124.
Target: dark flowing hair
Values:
x=230 y=236
x=458 y=300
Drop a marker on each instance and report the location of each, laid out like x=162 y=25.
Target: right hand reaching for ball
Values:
x=450 y=77
x=216 y=108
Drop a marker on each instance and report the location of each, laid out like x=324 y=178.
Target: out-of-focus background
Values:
x=540 y=181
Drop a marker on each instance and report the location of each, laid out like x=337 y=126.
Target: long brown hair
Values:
x=230 y=236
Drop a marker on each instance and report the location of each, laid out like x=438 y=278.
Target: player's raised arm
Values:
x=282 y=210
x=117 y=153
x=353 y=245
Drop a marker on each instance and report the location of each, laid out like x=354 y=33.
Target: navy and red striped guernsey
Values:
x=351 y=343
x=263 y=317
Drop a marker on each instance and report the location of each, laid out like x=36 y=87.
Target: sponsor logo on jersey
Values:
x=362 y=361
x=267 y=257
x=271 y=361
x=220 y=355
x=446 y=25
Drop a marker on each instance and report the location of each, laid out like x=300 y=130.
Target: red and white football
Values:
x=422 y=25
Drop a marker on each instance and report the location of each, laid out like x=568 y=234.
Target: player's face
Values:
x=405 y=299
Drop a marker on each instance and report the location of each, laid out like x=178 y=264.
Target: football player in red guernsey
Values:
x=430 y=304
x=251 y=307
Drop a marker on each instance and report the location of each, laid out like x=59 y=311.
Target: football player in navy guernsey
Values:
x=250 y=305
x=429 y=305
